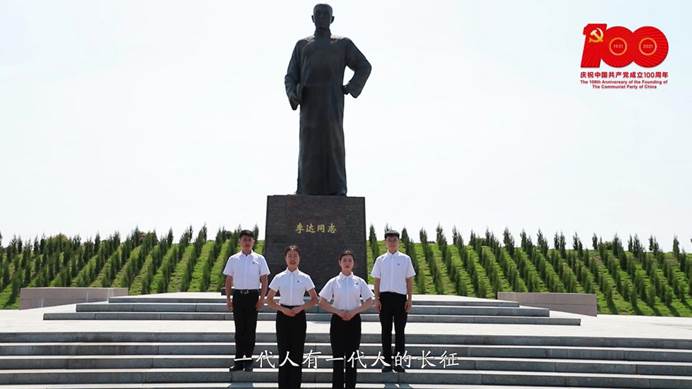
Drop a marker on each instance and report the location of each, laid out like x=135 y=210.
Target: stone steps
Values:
x=207 y=307
x=323 y=375
x=243 y=385
x=417 y=309
x=414 y=349
x=502 y=358
x=324 y=317
x=323 y=361
x=263 y=385
x=322 y=337
x=418 y=300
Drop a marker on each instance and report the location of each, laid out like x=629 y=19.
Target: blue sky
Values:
x=169 y=113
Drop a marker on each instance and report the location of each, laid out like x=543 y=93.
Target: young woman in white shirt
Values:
x=291 y=284
x=345 y=296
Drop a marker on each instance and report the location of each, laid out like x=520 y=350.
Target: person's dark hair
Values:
x=345 y=253
x=331 y=10
x=292 y=247
x=246 y=233
x=389 y=233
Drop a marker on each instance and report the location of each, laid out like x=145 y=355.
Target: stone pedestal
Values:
x=322 y=226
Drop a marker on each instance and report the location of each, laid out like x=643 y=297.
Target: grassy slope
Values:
x=447 y=285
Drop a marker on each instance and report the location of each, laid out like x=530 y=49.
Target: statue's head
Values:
x=322 y=15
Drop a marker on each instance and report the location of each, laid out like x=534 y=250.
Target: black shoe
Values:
x=248 y=366
x=387 y=369
x=399 y=369
x=238 y=366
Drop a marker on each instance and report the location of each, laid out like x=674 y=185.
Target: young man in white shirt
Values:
x=246 y=273
x=393 y=273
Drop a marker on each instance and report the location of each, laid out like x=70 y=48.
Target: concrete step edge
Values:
x=367 y=337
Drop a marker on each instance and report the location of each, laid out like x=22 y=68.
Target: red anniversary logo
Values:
x=617 y=46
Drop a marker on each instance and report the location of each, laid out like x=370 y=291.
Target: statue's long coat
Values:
x=315 y=75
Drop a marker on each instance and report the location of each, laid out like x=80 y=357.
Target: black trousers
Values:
x=245 y=319
x=345 y=339
x=290 y=339
x=393 y=311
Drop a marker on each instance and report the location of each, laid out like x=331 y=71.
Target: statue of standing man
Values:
x=314 y=81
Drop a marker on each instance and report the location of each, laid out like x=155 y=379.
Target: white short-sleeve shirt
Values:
x=291 y=286
x=393 y=270
x=346 y=291
x=246 y=270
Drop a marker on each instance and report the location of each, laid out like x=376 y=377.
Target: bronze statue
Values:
x=314 y=81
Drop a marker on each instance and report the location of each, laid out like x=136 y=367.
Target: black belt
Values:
x=298 y=316
x=245 y=291
x=393 y=293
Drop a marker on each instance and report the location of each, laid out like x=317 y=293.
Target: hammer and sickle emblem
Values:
x=596 y=36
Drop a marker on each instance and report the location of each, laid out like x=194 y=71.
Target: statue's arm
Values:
x=292 y=79
x=357 y=62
